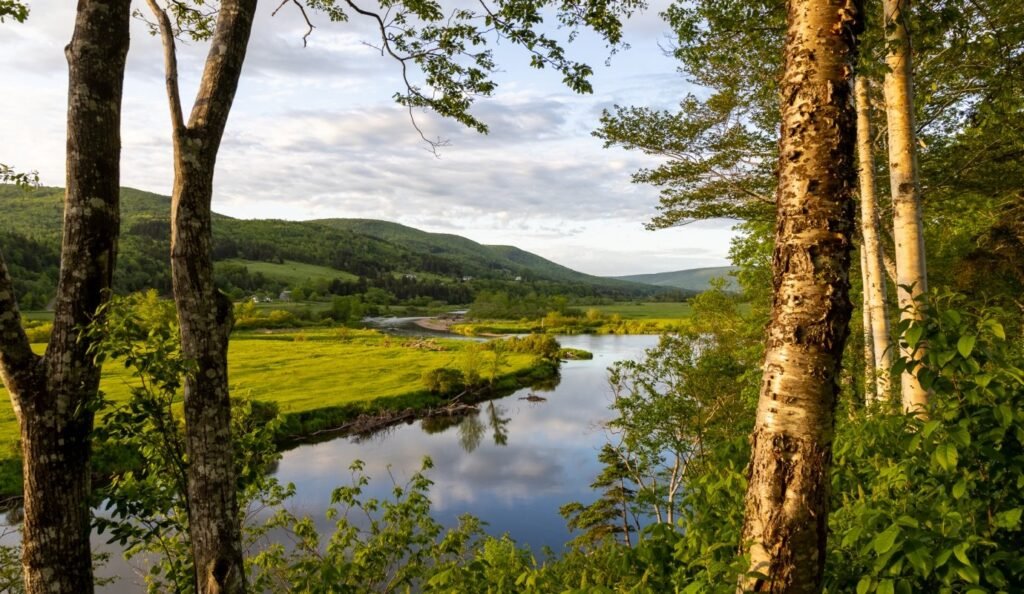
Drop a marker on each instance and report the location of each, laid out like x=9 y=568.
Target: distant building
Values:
x=466 y=279
x=285 y=296
x=409 y=276
x=519 y=279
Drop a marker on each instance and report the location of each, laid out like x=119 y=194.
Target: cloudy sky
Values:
x=314 y=133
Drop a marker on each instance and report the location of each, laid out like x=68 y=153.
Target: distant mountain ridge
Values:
x=693 y=279
x=31 y=226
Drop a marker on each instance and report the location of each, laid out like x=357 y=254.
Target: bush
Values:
x=444 y=381
x=543 y=345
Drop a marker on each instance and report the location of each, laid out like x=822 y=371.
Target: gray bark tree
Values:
x=786 y=513
x=54 y=395
x=204 y=313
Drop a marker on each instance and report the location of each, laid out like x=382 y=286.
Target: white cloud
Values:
x=314 y=133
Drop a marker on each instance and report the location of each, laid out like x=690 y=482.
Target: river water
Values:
x=512 y=465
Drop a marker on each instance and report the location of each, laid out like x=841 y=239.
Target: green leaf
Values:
x=913 y=335
x=1009 y=518
x=969 y=573
x=946 y=456
x=959 y=489
x=960 y=552
x=884 y=541
x=864 y=585
x=966 y=345
x=886 y=586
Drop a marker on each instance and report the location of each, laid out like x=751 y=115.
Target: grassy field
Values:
x=318 y=378
x=644 y=311
x=292 y=273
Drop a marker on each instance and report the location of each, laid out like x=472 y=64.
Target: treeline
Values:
x=30 y=235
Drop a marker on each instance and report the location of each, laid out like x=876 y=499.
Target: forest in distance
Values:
x=843 y=413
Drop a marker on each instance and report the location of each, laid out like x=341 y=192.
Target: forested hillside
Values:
x=694 y=279
x=345 y=256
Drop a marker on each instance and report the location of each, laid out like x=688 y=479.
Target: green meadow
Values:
x=645 y=311
x=318 y=378
x=290 y=272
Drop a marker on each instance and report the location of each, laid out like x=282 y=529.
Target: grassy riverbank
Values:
x=318 y=378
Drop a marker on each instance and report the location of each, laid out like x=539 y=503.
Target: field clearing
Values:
x=643 y=311
x=304 y=371
x=290 y=272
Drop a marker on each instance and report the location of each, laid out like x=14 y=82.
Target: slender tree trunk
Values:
x=874 y=279
x=53 y=395
x=870 y=371
x=786 y=515
x=204 y=313
x=905 y=185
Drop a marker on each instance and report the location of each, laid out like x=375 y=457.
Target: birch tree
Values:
x=905 y=186
x=54 y=395
x=876 y=317
x=785 y=520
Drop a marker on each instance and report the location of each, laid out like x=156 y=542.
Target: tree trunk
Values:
x=54 y=395
x=870 y=370
x=874 y=279
x=204 y=313
x=791 y=446
x=905 y=185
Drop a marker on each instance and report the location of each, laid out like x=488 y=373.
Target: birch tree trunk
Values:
x=870 y=370
x=874 y=279
x=53 y=395
x=204 y=313
x=905 y=185
x=786 y=513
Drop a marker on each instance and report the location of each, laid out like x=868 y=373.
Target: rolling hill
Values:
x=332 y=255
x=694 y=279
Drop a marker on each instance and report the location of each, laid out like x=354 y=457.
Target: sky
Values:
x=315 y=133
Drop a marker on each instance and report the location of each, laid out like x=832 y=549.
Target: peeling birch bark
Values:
x=905 y=185
x=785 y=524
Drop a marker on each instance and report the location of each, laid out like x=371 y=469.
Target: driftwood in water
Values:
x=533 y=398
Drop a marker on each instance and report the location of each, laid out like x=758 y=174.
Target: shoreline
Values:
x=322 y=424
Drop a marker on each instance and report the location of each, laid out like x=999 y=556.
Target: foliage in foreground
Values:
x=920 y=504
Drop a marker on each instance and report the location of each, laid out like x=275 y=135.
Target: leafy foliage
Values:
x=934 y=503
x=146 y=507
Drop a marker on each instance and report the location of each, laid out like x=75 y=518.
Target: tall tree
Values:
x=785 y=520
x=204 y=313
x=905 y=185
x=876 y=317
x=54 y=395
x=446 y=47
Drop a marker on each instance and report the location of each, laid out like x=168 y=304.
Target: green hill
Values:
x=694 y=279
x=488 y=260
x=331 y=256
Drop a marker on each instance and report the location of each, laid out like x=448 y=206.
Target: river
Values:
x=512 y=465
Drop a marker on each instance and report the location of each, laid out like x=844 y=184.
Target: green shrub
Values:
x=444 y=381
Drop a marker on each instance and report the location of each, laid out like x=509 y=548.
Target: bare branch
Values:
x=171 y=67
x=302 y=9
x=411 y=89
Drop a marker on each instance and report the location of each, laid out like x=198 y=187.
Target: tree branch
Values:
x=18 y=364
x=302 y=9
x=171 y=66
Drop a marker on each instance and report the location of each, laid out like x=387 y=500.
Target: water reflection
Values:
x=512 y=463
